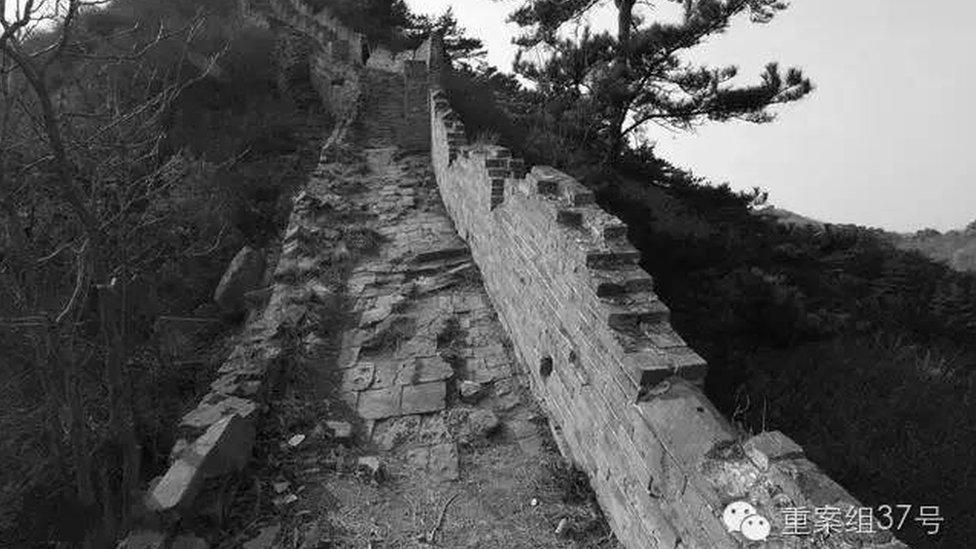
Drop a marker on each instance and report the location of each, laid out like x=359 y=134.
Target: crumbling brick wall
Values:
x=331 y=53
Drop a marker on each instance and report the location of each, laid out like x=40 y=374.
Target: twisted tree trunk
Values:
x=619 y=73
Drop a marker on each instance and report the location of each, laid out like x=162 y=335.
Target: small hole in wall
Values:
x=545 y=367
x=652 y=489
x=573 y=358
x=700 y=409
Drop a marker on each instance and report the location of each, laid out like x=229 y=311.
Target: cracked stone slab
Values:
x=424 y=398
x=418 y=347
x=379 y=403
x=424 y=370
x=212 y=411
x=386 y=374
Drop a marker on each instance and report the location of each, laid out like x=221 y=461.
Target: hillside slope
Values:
x=955 y=248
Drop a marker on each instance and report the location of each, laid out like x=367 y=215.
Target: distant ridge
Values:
x=787 y=217
x=956 y=248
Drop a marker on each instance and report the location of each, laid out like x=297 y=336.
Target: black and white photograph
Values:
x=487 y=274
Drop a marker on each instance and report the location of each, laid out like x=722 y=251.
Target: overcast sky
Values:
x=886 y=138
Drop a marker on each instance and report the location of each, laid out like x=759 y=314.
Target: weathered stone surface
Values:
x=374 y=316
x=224 y=447
x=359 y=377
x=424 y=398
x=471 y=391
x=379 y=403
x=177 y=488
x=243 y=275
x=218 y=408
x=424 y=370
x=341 y=430
x=386 y=374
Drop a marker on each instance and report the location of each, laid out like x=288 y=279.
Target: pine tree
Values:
x=636 y=76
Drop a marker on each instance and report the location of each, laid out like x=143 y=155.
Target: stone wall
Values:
x=336 y=58
x=415 y=134
x=622 y=389
x=217 y=436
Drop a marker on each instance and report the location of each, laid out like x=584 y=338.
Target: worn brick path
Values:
x=426 y=328
x=425 y=374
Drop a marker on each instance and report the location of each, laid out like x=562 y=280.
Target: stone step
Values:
x=651 y=367
x=649 y=337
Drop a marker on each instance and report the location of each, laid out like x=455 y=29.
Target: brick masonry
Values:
x=335 y=59
x=621 y=387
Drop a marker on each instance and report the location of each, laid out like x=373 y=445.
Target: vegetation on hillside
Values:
x=860 y=351
x=956 y=248
x=142 y=143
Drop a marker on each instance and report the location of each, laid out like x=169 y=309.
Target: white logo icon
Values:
x=735 y=513
x=741 y=516
x=755 y=528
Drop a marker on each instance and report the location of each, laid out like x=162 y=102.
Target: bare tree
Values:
x=81 y=123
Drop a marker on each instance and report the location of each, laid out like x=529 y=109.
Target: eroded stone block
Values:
x=243 y=275
x=216 y=407
x=424 y=398
x=380 y=403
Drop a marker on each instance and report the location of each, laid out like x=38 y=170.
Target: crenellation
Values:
x=622 y=258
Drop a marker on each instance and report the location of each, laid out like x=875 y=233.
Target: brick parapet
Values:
x=621 y=387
